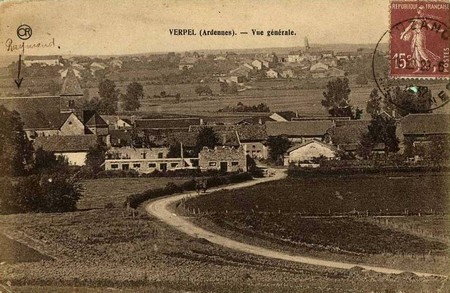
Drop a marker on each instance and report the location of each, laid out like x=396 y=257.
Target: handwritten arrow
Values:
x=19 y=79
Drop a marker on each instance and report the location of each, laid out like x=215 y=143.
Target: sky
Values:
x=109 y=27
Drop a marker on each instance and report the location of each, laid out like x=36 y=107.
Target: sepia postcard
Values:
x=225 y=146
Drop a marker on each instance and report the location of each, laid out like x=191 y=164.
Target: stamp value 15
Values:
x=419 y=43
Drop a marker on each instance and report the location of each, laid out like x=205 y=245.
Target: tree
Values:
x=95 y=157
x=361 y=79
x=207 y=137
x=228 y=88
x=203 y=90
x=175 y=151
x=109 y=97
x=47 y=162
x=374 y=104
x=337 y=100
x=383 y=130
x=278 y=145
x=135 y=91
x=408 y=100
x=15 y=149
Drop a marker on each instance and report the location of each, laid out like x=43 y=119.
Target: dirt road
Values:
x=159 y=208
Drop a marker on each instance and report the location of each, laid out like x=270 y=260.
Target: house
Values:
x=220 y=58
x=283 y=116
x=74 y=148
x=300 y=131
x=251 y=138
x=52 y=60
x=248 y=66
x=343 y=56
x=422 y=128
x=72 y=97
x=225 y=159
x=128 y=152
x=272 y=74
x=177 y=124
x=120 y=137
x=329 y=61
x=116 y=64
x=95 y=66
x=336 y=72
x=294 y=57
x=346 y=135
x=37 y=124
x=118 y=122
x=255 y=120
x=287 y=73
x=318 y=67
x=151 y=165
x=308 y=151
x=63 y=72
x=327 y=54
x=241 y=71
x=257 y=64
x=94 y=123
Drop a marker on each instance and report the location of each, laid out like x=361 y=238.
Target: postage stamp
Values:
x=419 y=43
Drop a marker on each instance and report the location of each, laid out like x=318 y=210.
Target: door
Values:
x=224 y=166
x=163 y=167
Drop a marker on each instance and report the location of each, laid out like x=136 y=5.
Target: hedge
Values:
x=134 y=200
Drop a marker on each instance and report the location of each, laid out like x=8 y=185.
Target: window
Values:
x=144 y=155
x=212 y=164
x=152 y=165
x=125 y=167
x=114 y=166
x=136 y=165
x=173 y=165
x=253 y=146
x=234 y=163
x=160 y=155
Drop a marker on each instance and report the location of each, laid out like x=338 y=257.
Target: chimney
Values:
x=296 y=113
x=201 y=121
x=393 y=113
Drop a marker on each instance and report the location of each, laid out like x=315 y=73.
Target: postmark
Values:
x=415 y=93
x=419 y=43
x=24 y=32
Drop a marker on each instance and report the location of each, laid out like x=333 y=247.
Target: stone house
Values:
x=226 y=159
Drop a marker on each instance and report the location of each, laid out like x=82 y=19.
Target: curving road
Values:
x=160 y=209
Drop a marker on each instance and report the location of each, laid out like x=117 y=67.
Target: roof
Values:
x=120 y=134
x=94 y=119
x=61 y=143
x=298 y=128
x=251 y=132
x=425 y=124
x=71 y=86
x=48 y=57
x=44 y=120
x=31 y=104
x=189 y=139
x=166 y=123
x=288 y=115
x=295 y=147
x=349 y=131
x=256 y=120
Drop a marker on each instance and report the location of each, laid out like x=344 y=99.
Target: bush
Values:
x=134 y=200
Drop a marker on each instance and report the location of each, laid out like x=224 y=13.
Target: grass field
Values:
x=377 y=194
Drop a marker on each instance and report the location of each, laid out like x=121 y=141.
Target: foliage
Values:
x=203 y=90
x=406 y=101
x=383 y=130
x=436 y=151
x=135 y=92
x=278 y=145
x=240 y=107
x=95 y=157
x=15 y=149
x=207 y=137
x=336 y=98
x=56 y=192
x=109 y=97
x=135 y=200
x=374 y=104
x=47 y=162
x=361 y=79
x=228 y=88
x=175 y=151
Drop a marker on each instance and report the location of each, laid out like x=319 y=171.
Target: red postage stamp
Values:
x=419 y=43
